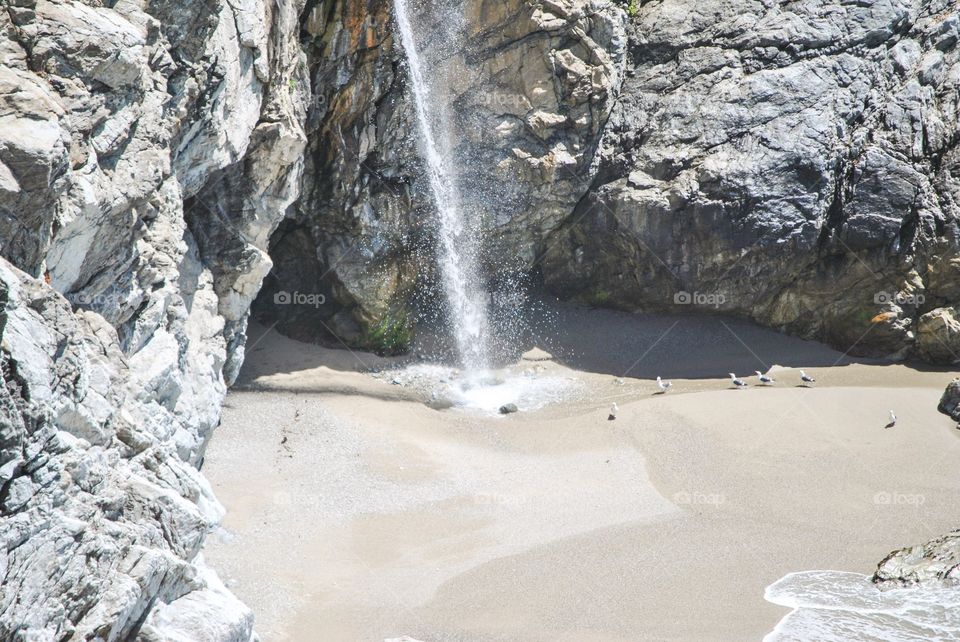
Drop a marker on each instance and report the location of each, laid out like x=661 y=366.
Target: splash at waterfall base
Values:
x=528 y=385
x=356 y=511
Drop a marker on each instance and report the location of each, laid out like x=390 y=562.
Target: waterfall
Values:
x=459 y=244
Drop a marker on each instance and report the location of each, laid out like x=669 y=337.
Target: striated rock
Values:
x=147 y=153
x=950 y=401
x=936 y=563
x=93 y=484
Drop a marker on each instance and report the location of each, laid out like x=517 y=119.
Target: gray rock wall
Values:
x=147 y=152
x=795 y=163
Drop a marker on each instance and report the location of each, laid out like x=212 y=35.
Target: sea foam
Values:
x=835 y=606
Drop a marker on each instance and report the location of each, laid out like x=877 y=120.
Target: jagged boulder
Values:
x=936 y=563
x=950 y=401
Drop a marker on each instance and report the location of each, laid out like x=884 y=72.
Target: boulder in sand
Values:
x=936 y=563
x=950 y=401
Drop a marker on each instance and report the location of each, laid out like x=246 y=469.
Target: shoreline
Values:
x=369 y=515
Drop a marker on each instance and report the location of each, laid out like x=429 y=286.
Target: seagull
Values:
x=764 y=379
x=893 y=420
x=664 y=385
x=805 y=378
x=613 y=412
x=739 y=383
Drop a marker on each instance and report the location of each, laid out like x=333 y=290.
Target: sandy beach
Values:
x=357 y=512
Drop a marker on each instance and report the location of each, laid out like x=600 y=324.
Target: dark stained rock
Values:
x=950 y=401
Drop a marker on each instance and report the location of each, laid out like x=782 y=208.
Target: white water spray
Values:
x=458 y=245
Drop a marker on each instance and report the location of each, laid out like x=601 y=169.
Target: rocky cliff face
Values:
x=531 y=86
x=795 y=163
x=147 y=152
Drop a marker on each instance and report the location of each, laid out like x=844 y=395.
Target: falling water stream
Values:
x=432 y=69
x=458 y=242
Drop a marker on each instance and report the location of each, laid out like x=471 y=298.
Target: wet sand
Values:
x=355 y=512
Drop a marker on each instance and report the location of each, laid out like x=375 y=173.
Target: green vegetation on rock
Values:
x=391 y=335
x=632 y=7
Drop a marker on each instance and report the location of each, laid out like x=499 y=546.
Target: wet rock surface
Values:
x=935 y=563
x=793 y=165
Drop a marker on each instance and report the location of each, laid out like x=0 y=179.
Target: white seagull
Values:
x=613 y=412
x=765 y=379
x=739 y=383
x=893 y=420
x=664 y=385
x=805 y=378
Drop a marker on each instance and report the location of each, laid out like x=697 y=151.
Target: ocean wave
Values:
x=836 y=606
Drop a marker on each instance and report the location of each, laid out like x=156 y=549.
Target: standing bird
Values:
x=806 y=379
x=613 y=412
x=893 y=420
x=764 y=379
x=739 y=383
x=664 y=385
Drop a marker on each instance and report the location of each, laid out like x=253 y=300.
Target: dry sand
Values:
x=355 y=512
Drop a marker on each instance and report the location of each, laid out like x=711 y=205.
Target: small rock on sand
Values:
x=536 y=354
x=508 y=409
x=950 y=401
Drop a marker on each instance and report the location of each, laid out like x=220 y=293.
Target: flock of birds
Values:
x=736 y=382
